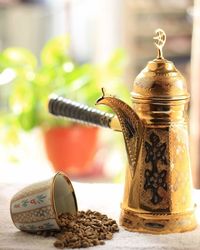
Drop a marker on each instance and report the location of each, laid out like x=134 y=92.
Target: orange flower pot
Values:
x=72 y=149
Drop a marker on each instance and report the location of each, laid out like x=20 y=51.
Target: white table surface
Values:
x=101 y=197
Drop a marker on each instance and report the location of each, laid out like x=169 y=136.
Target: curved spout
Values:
x=132 y=127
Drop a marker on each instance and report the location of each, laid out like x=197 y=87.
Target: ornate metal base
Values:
x=157 y=224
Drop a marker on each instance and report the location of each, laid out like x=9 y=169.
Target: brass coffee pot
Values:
x=158 y=184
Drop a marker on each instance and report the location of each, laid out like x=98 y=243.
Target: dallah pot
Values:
x=158 y=184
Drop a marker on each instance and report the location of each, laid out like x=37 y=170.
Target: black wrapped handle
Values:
x=63 y=107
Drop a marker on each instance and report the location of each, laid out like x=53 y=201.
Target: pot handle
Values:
x=60 y=106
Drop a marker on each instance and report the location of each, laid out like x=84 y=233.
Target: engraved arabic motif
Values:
x=154 y=179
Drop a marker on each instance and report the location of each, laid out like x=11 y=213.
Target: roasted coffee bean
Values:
x=59 y=244
x=109 y=236
x=101 y=242
x=85 y=229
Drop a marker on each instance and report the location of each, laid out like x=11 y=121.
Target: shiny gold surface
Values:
x=160 y=39
x=158 y=185
x=115 y=124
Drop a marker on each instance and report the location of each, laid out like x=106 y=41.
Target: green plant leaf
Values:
x=57 y=73
x=56 y=51
x=18 y=58
x=27 y=120
x=117 y=62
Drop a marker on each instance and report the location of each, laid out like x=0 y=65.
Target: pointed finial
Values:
x=103 y=92
x=160 y=39
x=103 y=96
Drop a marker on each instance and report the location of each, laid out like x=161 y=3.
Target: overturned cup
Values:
x=37 y=206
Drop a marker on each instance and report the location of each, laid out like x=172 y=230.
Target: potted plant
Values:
x=32 y=83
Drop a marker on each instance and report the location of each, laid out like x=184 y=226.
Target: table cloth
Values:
x=104 y=198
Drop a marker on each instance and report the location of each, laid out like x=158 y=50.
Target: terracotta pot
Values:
x=71 y=149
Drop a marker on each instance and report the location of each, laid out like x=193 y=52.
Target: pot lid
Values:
x=160 y=79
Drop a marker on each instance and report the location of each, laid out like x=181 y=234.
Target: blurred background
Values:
x=73 y=48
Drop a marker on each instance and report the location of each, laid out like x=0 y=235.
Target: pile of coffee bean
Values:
x=85 y=229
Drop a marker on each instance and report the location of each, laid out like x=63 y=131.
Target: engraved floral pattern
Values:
x=155 y=179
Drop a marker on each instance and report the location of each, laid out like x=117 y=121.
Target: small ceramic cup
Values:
x=37 y=206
